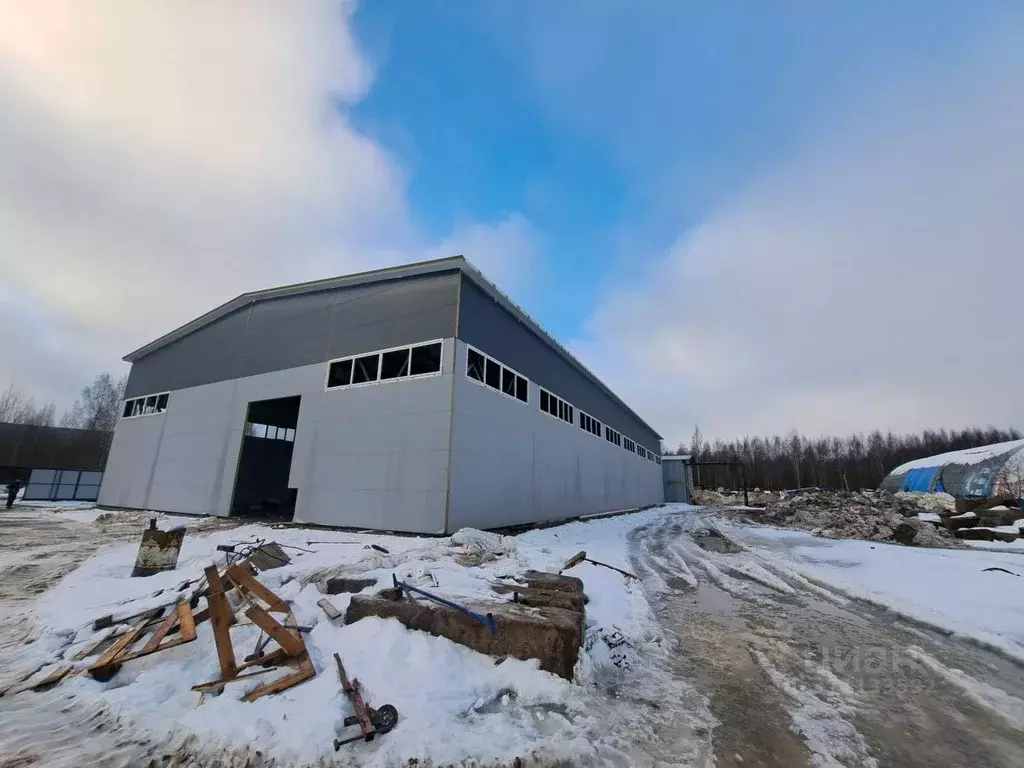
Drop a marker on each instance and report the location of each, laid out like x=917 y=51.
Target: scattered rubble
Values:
x=872 y=515
x=997 y=516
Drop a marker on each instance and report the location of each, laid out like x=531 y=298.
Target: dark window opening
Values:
x=544 y=401
x=128 y=408
x=340 y=374
x=475 y=365
x=161 y=403
x=150 y=405
x=426 y=359
x=365 y=369
x=508 y=382
x=493 y=375
x=394 y=365
x=522 y=389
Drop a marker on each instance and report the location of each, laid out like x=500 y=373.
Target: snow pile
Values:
x=935 y=502
x=455 y=704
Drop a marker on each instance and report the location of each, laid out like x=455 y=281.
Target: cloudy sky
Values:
x=748 y=216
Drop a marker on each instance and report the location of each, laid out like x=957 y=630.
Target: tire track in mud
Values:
x=796 y=674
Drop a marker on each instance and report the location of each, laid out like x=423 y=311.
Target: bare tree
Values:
x=99 y=405
x=1010 y=480
x=18 y=407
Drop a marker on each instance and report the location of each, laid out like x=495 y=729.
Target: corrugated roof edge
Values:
x=417 y=269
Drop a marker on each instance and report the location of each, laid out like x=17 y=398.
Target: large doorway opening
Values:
x=265 y=460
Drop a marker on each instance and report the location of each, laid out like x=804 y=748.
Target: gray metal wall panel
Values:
x=486 y=325
x=293 y=331
x=677 y=480
x=374 y=456
x=512 y=463
x=132 y=459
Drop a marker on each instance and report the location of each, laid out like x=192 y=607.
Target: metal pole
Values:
x=743 y=475
x=487 y=621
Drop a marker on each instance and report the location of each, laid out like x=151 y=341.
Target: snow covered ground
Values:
x=945 y=588
x=455 y=704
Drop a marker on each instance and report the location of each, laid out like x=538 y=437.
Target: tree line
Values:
x=851 y=463
x=98 y=406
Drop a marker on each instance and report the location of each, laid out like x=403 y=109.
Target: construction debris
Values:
x=872 y=515
x=581 y=557
x=486 y=620
x=175 y=624
x=548 y=630
x=343 y=585
x=370 y=721
x=328 y=607
x=258 y=553
x=158 y=550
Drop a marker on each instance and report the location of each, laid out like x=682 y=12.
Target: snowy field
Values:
x=455 y=705
x=944 y=588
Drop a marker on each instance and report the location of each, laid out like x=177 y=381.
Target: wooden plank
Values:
x=243 y=579
x=167 y=644
x=304 y=672
x=328 y=608
x=186 y=622
x=218 y=685
x=54 y=677
x=113 y=651
x=220 y=618
x=161 y=632
x=90 y=649
x=291 y=644
x=271 y=658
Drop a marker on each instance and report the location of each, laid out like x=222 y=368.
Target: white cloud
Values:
x=874 y=280
x=159 y=158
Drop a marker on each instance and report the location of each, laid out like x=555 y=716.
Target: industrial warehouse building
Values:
x=418 y=398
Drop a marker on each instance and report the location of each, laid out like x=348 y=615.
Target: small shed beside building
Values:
x=678 y=483
x=55 y=463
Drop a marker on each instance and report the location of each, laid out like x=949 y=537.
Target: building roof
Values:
x=417 y=269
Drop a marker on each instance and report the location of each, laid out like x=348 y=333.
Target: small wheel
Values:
x=384 y=719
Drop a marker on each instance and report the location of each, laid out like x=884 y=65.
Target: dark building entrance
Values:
x=265 y=460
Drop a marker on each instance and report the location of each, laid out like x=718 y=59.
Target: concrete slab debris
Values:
x=551 y=632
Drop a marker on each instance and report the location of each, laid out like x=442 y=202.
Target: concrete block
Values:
x=342 y=585
x=547 y=623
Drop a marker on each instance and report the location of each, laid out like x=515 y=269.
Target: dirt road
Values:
x=797 y=675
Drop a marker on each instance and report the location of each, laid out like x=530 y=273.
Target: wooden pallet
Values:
x=123 y=650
